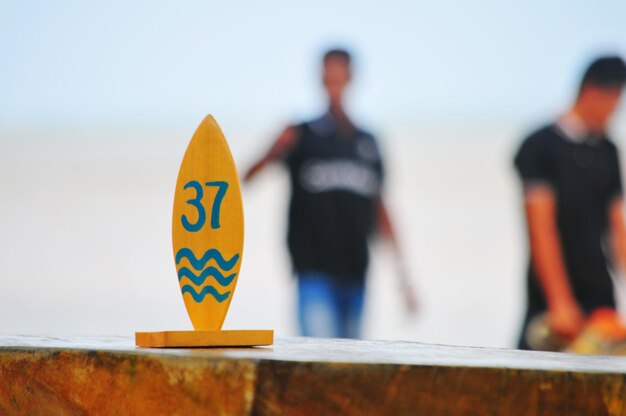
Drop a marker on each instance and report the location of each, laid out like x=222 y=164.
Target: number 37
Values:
x=196 y=202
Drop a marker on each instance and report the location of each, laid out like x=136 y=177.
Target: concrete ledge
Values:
x=300 y=376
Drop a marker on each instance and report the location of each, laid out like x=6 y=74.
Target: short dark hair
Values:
x=338 y=53
x=605 y=72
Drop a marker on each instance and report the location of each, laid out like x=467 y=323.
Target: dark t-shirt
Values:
x=335 y=182
x=585 y=178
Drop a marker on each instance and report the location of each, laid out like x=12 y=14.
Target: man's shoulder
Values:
x=610 y=143
x=537 y=145
x=321 y=126
x=541 y=139
x=365 y=134
x=545 y=133
x=324 y=125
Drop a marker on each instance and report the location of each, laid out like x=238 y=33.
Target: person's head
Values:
x=600 y=90
x=337 y=73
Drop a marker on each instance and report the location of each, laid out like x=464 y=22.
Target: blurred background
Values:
x=98 y=101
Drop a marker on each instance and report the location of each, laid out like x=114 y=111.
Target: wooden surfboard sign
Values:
x=207 y=237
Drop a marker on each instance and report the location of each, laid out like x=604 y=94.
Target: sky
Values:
x=136 y=63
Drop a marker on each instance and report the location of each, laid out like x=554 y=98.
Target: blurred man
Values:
x=574 y=207
x=336 y=176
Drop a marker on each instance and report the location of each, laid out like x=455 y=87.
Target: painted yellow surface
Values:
x=208 y=227
x=240 y=338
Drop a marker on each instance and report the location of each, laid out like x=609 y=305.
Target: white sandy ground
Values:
x=85 y=245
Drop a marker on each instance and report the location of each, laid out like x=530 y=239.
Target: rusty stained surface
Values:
x=300 y=376
x=103 y=383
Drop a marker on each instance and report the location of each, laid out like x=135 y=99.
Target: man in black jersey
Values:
x=336 y=175
x=574 y=206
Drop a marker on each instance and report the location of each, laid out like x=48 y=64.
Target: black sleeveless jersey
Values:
x=335 y=183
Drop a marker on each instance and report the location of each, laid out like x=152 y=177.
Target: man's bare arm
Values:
x=387 y=231
x=564 y=314
x=279 y=149
x=618 y=233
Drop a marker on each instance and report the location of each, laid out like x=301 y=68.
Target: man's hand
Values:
x=410 y=300
x=406 y=287
x=566 y=319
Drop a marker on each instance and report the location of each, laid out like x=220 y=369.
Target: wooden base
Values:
x=230 y=338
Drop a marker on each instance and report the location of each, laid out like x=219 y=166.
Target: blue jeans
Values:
x=329 y=306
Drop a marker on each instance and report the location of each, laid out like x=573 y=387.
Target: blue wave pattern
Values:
x=212 y=253
x=210 y=271
x=208 y=290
